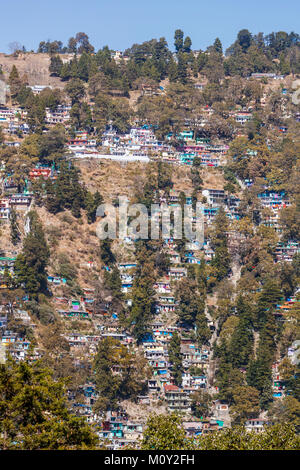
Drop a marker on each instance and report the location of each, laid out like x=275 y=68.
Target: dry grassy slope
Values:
x=111 y=178
x=140 y=412
x=5 y=240
x=64 y=234
x=114 y=178
x=274 y=85
x=134 y=95
x=77 y=239
x=34 y=66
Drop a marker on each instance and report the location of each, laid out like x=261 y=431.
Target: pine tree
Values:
x=172 y=70
x=241 y=344
x=259 y=375
x=15 y=82
x=142 y=290
x=221 y=258
x=191 y=305
x=30 y=266
x=218 y=46
x=182 y=69
x=127 y=383
x=14 y=228
x=175 y=358
x=55 y=66
x=269 y=297
x=106 y=254
x=65 y=192
x=91 y=204
x=83 y=67
x=203 y=332
x=259 y=372
x=178 y=40
x=187 y=45
x=106 y=382
x=142 y=305
x=114 y=283
x=34 y=412
x=201 y=277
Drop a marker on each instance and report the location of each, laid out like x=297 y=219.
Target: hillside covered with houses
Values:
x=209 y=330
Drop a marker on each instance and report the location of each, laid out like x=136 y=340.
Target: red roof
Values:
x=171 y=388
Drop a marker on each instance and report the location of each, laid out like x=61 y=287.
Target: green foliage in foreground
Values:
x=277 y=437
x=34 y=415
x=33 y=411
x=166 y=433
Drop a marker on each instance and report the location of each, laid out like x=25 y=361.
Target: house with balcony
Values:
x=243 y=117
x=4 y=209
x=177 y=399
x=40 y=172
x=177 y=273
x=273 y=199
x=194 y=381
x=214 y=197
x=192 y=428
x=3 y=321
x=257 y=424
x=56 y=280
x=20 y=202
x=127 y=266
x=286 y=251
x=162 y=286
x=80 y=314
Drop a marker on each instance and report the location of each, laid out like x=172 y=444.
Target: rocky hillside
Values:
x=34 y=66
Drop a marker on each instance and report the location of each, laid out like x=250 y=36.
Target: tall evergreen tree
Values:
x=178 y=40
x=241 y=345
x=221 y=258
x=218 y=46
x=175 y=358
x=182 y=74
x=31 y=263
x=14 y=228
x=34 y=413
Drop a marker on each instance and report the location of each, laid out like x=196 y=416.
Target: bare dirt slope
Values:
x=34 y=66
x=113 y=178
